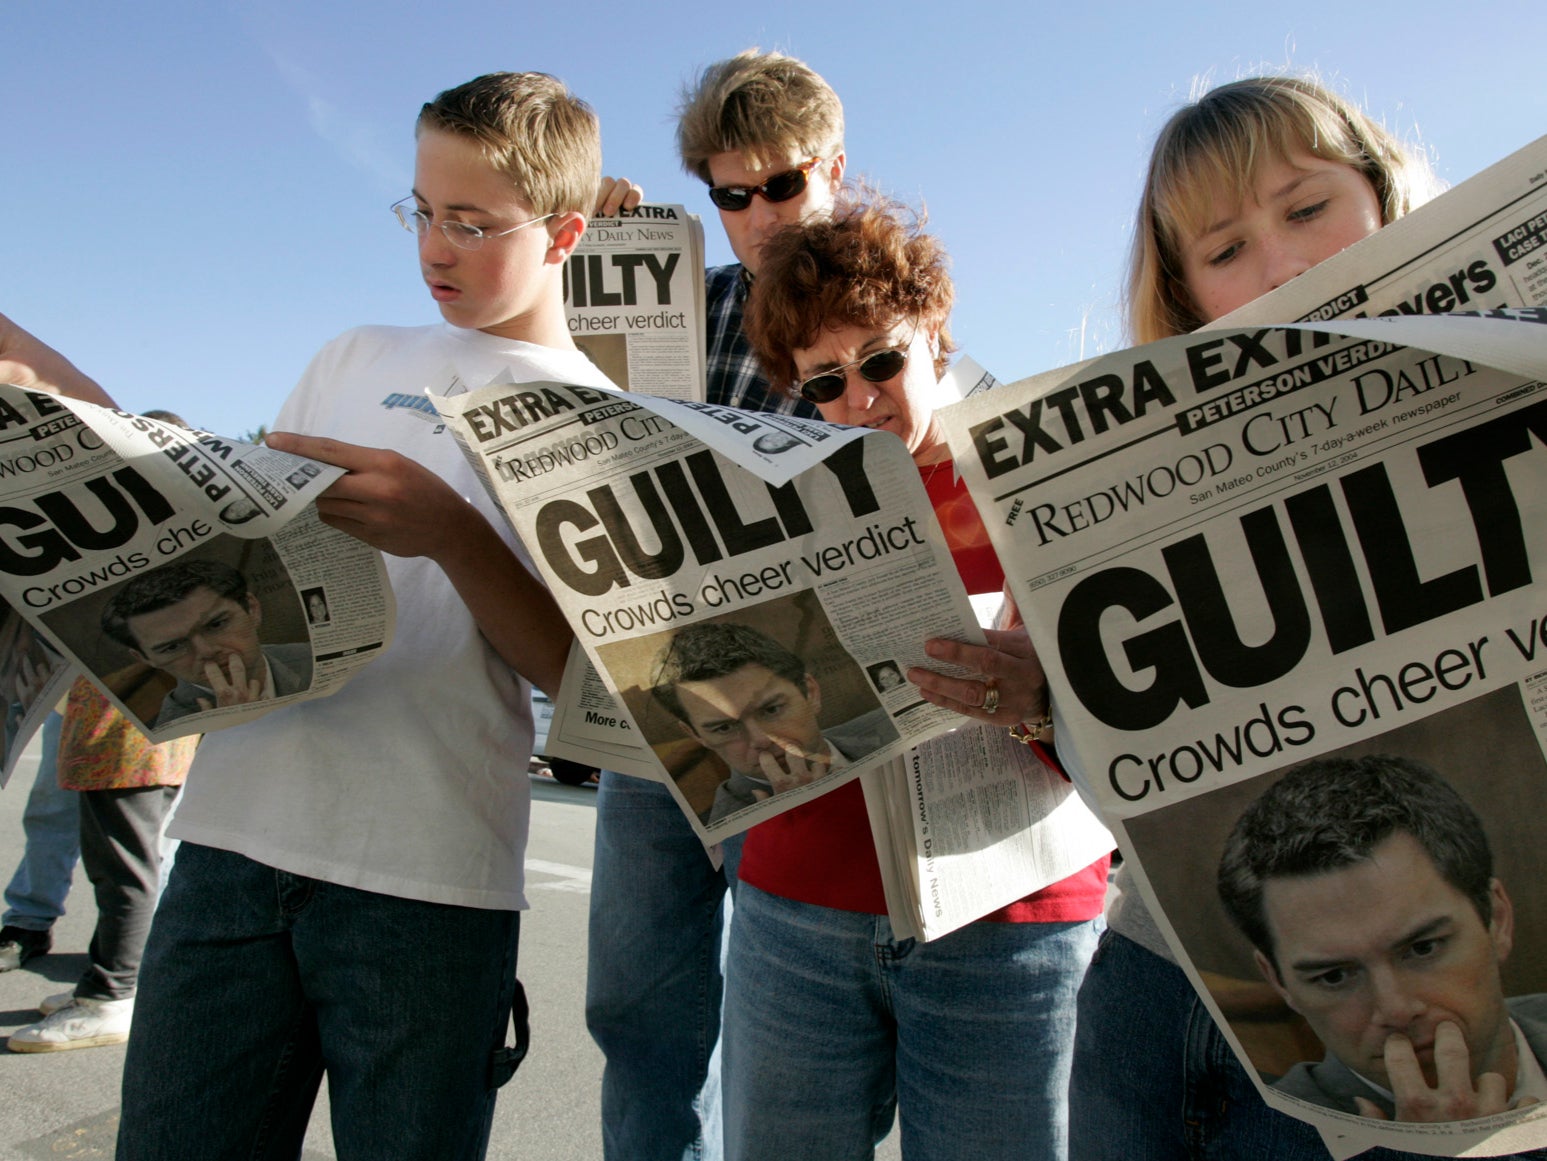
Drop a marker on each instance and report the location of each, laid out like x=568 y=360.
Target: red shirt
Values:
x=822 y=852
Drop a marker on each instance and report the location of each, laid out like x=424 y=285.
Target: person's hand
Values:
x=385 y=499
x=1454 y=1096
x=233 y=688
x=616 y=193
x=791 y=767
x=1009 y=668
x=30 y=363
x=402 y=508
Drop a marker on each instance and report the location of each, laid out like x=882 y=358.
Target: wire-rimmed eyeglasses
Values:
x=462 y=235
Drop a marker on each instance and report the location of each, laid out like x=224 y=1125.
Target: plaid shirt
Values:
x=735 y=378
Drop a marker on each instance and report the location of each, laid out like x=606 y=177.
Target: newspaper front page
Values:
x=1240 y=550
x=634 y=298
x=659 y=545
x=186 y=574
x=1206 y=481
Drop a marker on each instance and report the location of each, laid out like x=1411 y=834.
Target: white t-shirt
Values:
x=411 y=781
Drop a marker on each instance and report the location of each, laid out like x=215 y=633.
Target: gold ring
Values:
x=990 y=697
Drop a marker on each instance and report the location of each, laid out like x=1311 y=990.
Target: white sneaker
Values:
x=82 y=1023
x=58 y=1000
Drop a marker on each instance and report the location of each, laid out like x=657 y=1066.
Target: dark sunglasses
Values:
x=874 y=368
x=781 y=187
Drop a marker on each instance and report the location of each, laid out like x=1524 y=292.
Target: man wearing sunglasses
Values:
x=765 y=133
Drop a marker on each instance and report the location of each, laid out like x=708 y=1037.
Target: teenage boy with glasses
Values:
x=765 y=133
x=346 y=897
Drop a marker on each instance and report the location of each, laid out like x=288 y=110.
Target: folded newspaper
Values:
x=634 y=299
x=186 y=574
x=655 y=540
x=1288 y=584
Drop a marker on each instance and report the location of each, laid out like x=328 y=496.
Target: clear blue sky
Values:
x=196 y=193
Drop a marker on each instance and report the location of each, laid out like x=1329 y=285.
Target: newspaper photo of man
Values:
x=197 y=621
x=753 y=703
x=1366 y=888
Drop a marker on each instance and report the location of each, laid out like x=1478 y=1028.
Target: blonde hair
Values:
x=530 y=128
x=1210 y=151
x=762 y=105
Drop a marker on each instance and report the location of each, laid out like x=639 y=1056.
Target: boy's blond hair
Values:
x=1209 y=153
x=764 y=106
x=533 y=130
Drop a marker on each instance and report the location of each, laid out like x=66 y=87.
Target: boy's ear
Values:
x=568 y=228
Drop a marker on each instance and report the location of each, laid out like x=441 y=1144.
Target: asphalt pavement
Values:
x=64 y=1105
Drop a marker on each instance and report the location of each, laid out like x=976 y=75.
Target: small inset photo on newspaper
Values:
x=220 y=625
x=740 y=709
x=1372 y=922
x=316 y=601
x=885 y=675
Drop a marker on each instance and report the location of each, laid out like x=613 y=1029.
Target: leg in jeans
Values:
x=414 y=1003
x=255 y=980
x=810 y=1040
x=223 y=1059
x=653 y=979
x=35 y=896
x=986 y=1019
x=121 y=849
x=831 y=1022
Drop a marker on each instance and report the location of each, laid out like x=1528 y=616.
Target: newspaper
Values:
x=634 y=297
x=1318 y=544
x=970 y=822
x=642 y=530
x=659 y=354
x=95 y=504
x=1101 y=474
x=587 y=724
x=33 y=677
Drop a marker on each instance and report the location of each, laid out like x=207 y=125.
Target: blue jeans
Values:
x=51 y=827
x=653 y=980
x=1155 y=1080
x=257 y=981
x=831 y=1023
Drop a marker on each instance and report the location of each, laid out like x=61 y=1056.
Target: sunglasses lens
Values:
x=883 y=365
x=730 y=197
x=822 y=389
x=781 y=187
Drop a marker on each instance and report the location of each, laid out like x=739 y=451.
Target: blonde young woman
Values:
x=1250 y=185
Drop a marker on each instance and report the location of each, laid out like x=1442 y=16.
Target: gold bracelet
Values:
x=1040 y=730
